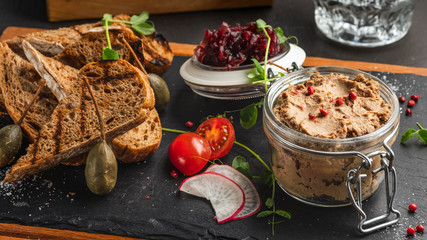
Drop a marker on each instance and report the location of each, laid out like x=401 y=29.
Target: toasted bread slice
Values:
x=49 y=69
x=157 y=55
x=125 y=99
x=141 y=142
x=89 y=48
x=19 y=82
x=49 y=42
x=135 y=145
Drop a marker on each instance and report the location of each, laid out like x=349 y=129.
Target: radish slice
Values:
x=227 y=198
x=252 y=199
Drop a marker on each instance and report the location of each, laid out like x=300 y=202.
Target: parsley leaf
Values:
x=261 y=24
x=109 y=54
x=284 y=214
x=280 y=35
x=140 y=23
x=282 y=39
x=422 y=134
x=266 y=178
x=141 y=18
x=264 y=214
x=240 y=164
x=258 y=67
x=144 y=28
x=106 y=19
x=248 y=116
x=408 y=135
x=269 y=203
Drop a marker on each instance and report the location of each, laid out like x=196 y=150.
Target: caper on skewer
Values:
x=11 y=136
x=101 y=164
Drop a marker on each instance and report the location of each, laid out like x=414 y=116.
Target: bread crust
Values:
x=141 y=142
x=73 y=128
x=157 y=54
x=18 y=83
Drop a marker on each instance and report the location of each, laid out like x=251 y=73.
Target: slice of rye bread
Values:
x=19 y=82
x=135 y=145
x=125 y=99
x=140 y=142
x=61 y=79
x=89 y=48
x=49 y=42
x=157 y=54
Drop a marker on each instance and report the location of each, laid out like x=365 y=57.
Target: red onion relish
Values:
x=232 y=46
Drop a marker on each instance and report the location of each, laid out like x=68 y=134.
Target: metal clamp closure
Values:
x=355 y=177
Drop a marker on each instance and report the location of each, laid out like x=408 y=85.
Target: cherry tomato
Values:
x=220 y=134
x=189 y=153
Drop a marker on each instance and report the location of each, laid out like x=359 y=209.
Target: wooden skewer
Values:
x=30 y=104
x=121 y=37
x=272 y=63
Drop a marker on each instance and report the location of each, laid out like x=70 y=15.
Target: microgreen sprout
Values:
x=421 y=132
x=242 y=165
x=108 y=53
x=139 y=23
x=259 y=73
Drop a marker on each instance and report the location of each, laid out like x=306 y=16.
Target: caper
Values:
x=101 y=169
x=161 y=91
x=10 y=143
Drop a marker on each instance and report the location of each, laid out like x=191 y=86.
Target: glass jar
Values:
x=316 y=170
x=364 y=23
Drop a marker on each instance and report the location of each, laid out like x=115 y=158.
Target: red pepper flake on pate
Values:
x=328 y=94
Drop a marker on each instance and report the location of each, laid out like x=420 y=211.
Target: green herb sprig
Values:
x=139 y=23
x=421 y=132
x=242 y=165
x=107 y=52
x=261 y=25
x=282 y=38
x=248 y=115
x=259 y=73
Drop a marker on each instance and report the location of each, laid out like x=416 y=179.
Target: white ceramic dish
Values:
x=233 y=84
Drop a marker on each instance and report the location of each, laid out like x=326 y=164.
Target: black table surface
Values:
x=58 y=198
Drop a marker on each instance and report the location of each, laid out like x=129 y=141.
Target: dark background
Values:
x=295 y=17
x=58 y=198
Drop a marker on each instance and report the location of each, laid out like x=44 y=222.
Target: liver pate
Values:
x=364 y=115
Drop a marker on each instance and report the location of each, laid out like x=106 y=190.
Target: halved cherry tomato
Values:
x=220 y=134
x=189 y=153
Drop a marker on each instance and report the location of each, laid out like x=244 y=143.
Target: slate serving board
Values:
x=146 y=203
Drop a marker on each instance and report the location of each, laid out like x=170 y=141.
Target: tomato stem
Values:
x=265 y=58
x=108 y=35
x=274 y=204
x=173 y=130
x=253 y=153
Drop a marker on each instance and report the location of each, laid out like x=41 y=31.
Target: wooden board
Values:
x=59 y=10
x=182 y=49
x=15 y=231
x=19 y=232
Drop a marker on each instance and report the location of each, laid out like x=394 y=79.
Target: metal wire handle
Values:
x=355 y=177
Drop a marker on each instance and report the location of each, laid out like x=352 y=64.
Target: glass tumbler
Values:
x=364 y=23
